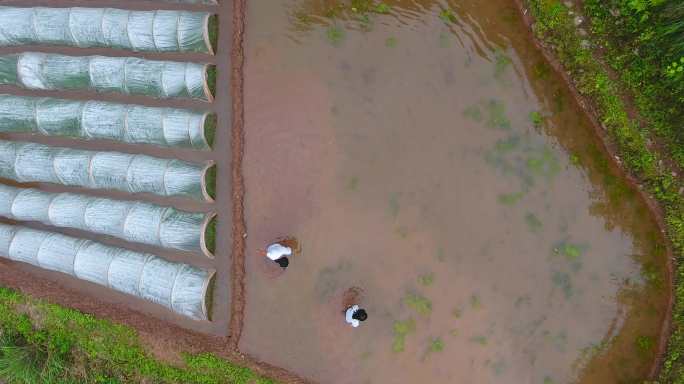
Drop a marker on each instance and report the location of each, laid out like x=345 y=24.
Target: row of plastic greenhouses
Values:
x=180 y=287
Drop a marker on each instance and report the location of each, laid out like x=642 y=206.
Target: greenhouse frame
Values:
x=166 y=127
x=179 y=287
x=141 y=31
x=125 y=75
x=132 y=221
x=133 y=173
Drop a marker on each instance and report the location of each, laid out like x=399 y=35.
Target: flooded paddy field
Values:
x=424 y=152
x=220 y=294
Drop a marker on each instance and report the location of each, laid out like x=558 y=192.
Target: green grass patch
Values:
x=48 y=344
x=571 y=252
x=211 y=79
x=436 y=345
x=213 y=31
x=210 y=236
x=382 y=8
x=210 y=129
x=536 y=118
x=210 y=181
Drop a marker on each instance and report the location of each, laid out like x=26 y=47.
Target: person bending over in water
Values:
x=355 y=315
x=278 y=253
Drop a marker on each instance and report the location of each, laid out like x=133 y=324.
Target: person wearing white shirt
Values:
x=278 y=253
x=355 y=315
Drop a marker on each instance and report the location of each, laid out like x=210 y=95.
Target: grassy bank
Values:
x=44 y=343
x=633 y=137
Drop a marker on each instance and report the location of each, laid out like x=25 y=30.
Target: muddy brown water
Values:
x=221 y=155
x=438 y=164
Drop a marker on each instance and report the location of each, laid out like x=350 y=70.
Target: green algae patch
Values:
x=563 y=281
x=534 y=224
x=495 y=111
x=436 y=345
x=335 y=35
x=536 y=118
x=427 y=279
x=401 y=329
x=475 y=302
x=419 y=304
x=473 y=113
x=510 y=198
x=448 y=16
x=501 y=63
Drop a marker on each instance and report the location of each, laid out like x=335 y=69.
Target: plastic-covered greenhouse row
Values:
x=144 y=31
x=30 y=162
x=127 y=75
x=132 y=221
x=179 y=287
x=167 y=127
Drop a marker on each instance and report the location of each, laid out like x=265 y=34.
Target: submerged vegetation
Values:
x=420 y=304
x=401 y=330
x=45 y=343
x=643 y=46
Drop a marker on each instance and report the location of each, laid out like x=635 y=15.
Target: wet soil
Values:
x=435 y=160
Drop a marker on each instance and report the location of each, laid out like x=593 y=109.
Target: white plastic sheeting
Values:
x=127 y=75
x=144 y=31
x=132 y=221
x=30 y=162
x=179 y=287
x=166 y=127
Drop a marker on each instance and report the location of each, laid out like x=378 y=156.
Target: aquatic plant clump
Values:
x=418 y=303
x=125 y=75
x=401 y=329
x=143 y=31
x=29 y=162
x=165 y=127
x=179 y=287
x=138 y=222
